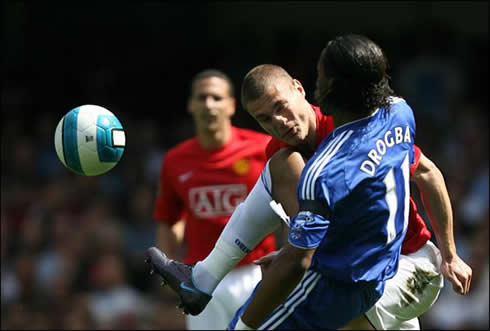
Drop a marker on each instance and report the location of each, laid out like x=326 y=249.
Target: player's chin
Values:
x=294 y=140
x=213 y=125
x=210 y=124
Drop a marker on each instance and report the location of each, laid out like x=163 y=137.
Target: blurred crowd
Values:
x=72 y=247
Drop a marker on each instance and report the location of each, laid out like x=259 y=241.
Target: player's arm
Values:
x=282 y=276
x=307 y=229
x=288 y=266
x=435 y=198
x=285 y=167
x=170 y=237
x=167 y=211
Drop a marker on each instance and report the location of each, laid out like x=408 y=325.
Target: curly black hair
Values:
x=353 y=76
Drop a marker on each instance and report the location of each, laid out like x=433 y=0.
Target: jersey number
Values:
x=393 y=201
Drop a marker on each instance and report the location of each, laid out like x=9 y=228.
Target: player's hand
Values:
x=458 y=273
x=265 y=261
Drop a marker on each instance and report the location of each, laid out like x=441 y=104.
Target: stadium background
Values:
x=72 y=247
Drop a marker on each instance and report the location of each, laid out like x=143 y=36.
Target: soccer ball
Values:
x=89 y=140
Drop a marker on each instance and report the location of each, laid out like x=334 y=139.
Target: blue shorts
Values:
x=319 y=303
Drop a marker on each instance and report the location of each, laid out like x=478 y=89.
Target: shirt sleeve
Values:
x=309 y=226
x=168 y=206
x=417 y=152
x=273 y=146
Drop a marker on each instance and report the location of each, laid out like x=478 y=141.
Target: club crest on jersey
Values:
x=241 y=166
x=300 y=220
x=296 y=233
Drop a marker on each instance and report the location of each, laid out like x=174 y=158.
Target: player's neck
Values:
x=310 y=145
x=343 y=117
x=213 y=139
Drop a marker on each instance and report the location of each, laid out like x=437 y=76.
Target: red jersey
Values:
x=417 y=232
x=203 y=187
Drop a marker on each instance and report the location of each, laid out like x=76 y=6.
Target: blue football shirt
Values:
x=354 y=196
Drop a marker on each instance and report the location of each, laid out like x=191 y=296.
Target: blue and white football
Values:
x=89 y=140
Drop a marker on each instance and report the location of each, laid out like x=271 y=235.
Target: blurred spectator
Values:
x=77 y=316
x=433 y=79
x=113 y=303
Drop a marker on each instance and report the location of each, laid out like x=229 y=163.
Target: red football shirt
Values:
x=204 y=187
x=417 y=232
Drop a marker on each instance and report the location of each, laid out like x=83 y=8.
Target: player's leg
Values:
x=227 y=299
x=210 y=318
x=411 y=292
x=319 y=302
x=253 y=219
x=250 y=222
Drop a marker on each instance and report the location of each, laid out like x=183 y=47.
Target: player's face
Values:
x=282 y=112
x=211 y=104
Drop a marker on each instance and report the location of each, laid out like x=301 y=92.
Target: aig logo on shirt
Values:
x=216 y=200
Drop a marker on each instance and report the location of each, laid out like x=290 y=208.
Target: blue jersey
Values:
x=354 y=196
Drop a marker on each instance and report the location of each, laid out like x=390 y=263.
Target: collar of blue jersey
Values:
x=353 y=124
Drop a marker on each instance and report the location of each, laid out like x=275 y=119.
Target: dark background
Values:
x=137 y=59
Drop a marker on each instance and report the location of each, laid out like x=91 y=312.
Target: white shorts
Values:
x=228 y=297
x=413 y=290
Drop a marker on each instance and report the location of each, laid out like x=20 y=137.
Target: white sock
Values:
x=207 y=274
x=251 y=222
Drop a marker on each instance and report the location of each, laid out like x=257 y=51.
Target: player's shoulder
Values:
x=400 y=108
x=315 y=108
x=324 y=123
x=249 y=142
x=273 y=146
x=318 y=113
x=394 y=100
x=248 y=134
x=186 y=147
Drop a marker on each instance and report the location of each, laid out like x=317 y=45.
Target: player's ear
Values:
x=232 y=107
x=298 y=86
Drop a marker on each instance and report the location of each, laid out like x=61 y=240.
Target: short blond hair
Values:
x=258 y=79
